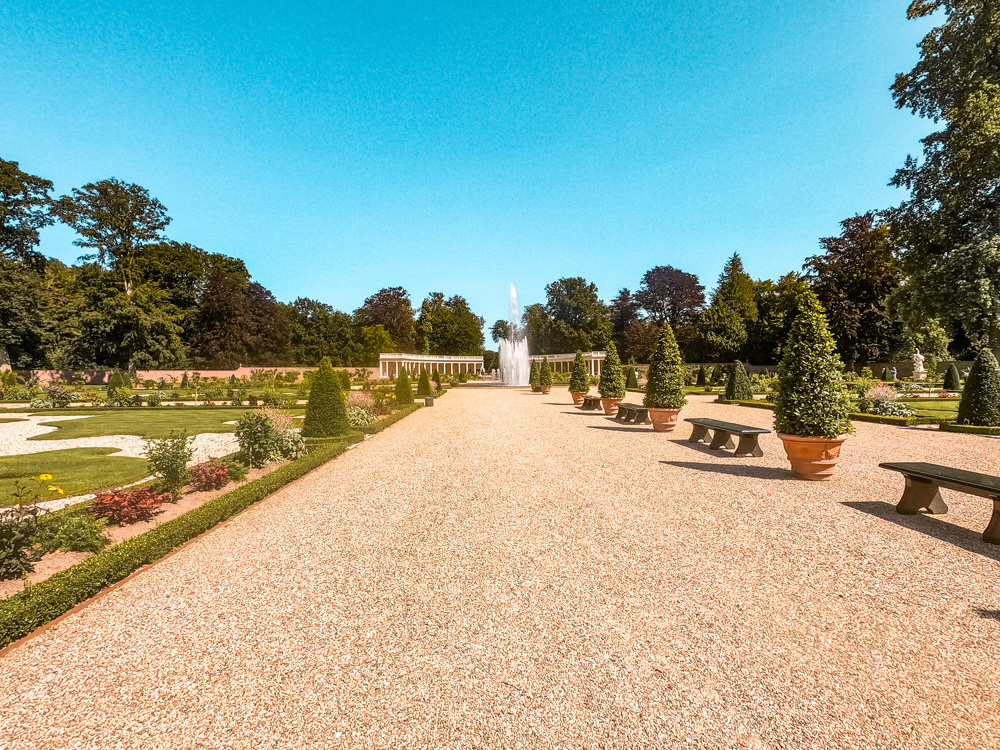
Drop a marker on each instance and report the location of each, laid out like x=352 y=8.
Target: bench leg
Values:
x=698 y=433
x=919 y=495
x=722 y=439
x=992 y=533
x=749 y=446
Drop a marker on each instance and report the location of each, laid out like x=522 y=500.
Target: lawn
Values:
x=932 y=407
x=144 y=422
x=4 y=420
x=76 y=471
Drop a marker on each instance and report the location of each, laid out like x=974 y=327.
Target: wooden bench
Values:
x=590 y=403
x=632 y=414
x=923 y=490
x=723 y=433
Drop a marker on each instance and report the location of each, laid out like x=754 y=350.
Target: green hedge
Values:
x=857 y=417
x=43 y=602
x=969 y=429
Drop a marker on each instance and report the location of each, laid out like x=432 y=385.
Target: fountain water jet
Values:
x=515 y=365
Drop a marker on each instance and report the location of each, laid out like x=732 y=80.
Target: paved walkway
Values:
x=505 y=571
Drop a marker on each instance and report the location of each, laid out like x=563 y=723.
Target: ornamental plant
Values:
x=167 y=459
x=257 y=436
x=345 y=380
x=631 y=381
x=980 y=403
x=702 y=376
x=612 y=382
x=579 y=382
x=665 y=379
x=545 y=374
x=184 y=381
x=738 y=388
x=404 y=393
x=424 y=384
x=436 y=377
x=125 y=508
x=952 y=380
x=533 y=375
x=326 y=410
x=211 y=475
x=811 y=398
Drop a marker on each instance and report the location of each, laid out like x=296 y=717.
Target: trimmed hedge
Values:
x=969 y=429
x=326 y=411
x=579 y=382
x=31 y=608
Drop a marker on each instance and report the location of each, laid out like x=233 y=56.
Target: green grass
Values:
x=76 y=471
x=144 y=422
x=9 y=419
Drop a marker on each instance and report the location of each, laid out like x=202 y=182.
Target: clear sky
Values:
x=339 y=147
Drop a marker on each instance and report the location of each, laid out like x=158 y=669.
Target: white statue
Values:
x=919 y=371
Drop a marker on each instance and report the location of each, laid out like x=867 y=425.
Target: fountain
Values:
x=514 y=362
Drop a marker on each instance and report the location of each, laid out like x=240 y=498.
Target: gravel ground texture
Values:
x=504 y=570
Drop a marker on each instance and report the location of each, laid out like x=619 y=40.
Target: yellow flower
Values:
x=44 y=477
x=53 y=488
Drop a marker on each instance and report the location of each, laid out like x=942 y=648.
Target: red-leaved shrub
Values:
x=209 y=476
x=124 y=508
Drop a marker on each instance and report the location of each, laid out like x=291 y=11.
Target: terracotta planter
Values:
x=664 y=420
x=536 y=389
x=577 y=398
x=546 y=389
x=611 y=405
x=812 y=457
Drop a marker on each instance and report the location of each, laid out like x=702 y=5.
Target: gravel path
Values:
x=503 y=570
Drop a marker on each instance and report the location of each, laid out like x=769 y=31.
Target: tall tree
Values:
x=640 y=339
x=117 y=220
x=220 y=334
x=580 y=320
x=669 y=295
x=320 y=331
x=24 y=209
x=853 y=279
x=777 y=305
x=736 y=290
x=391 y=309
x=448 y=326
x=538 y=329
x=21 y=323
x=625 y=309
x=947 y=225
x=268 y=334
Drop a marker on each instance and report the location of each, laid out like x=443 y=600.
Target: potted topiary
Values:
x=579 y=383
x=980 y=405
x=952 y=380
x=545 y=376
x=812 y=405
x=738 y=388
x=533 y=375
x=665 y=382
x=611 y=386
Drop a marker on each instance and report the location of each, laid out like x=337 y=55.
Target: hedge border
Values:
x=969 y=429
x=27 y=610
x=855 y=416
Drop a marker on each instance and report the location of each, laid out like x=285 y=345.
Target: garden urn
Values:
x=610 y=405
x=577 y=398
x=664 y=420
x=812 y=457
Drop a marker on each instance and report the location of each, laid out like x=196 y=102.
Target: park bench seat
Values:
x=723 y=433
x=923 y=490
x=632 y=414
x=591 y=403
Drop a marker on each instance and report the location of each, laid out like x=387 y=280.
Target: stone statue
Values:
x=919 y=371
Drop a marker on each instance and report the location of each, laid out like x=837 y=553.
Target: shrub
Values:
x=17 y=553
x=545 y=374
x=980 y=404
x=72 y=532
x=270 y=397
x=579 y=382
x=127 y=507
x=436 y=377
x=291 y=445
x=168 y=459
x=812 y=399
x=887 y=408
x=702 y=376
x=252 y=400
x=359 y=417
x=184 y=381
x=738 y=388
x=118 y=382
x=137 y=400
x=665 y=379
x=212 y=475
x=345 y=380
x=257 y=437
x=404 y=394
x=880 y=393
x=237 y=399
x=631 y=379
x=533 y=374
x=424 y=384
x=326 y=411
x=154 y=399
x=215 y=390
x=237 y=471
x=952 y=380
x=612 y=382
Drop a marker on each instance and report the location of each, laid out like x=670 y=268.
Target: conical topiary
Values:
x=436 y=377
x=811 y=397
x=533 y=374
x=980 y=405
x=184 y=380
x=424 y=384
x=404 y=392
x=738 y=388
x=952 y=380
x=545 y=374
x=326 y=411
x=702 y=376
x=890 y=376
x=631 y=381
x=579 y=382
x=612 y=382
x=665 y=379
x=345 y=380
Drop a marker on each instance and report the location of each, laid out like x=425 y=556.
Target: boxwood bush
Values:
x=545 y=374
x=424 y=384
x=980 y=404
x=665 y=379
x=404 y=392
x=612 y=382
x=579 y=382
x=738 y=388
x=533 y=374
x=952 y=380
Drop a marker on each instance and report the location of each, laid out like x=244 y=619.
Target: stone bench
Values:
x=923 y=490
x=591 y=403
x=632 y=414
x=723 y=433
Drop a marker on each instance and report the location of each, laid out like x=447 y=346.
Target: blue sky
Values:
x=339 y=147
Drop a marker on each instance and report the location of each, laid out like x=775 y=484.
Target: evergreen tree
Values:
x=579 y=381
x=424 y=384
x=811 y=399
x=436 y=377
x=702 y=376
x=738 y=388
x=952 y=380
x=326 y=411
x=184 y=380
x=404 y=393
x=545 y=374
x=612 y=382
x=631 y=381
x=980 y=403
x=533 y=374
x=345 y=380
x=737 y=291
x=665 y=379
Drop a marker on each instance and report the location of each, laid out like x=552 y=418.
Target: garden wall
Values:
x=99 y=377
